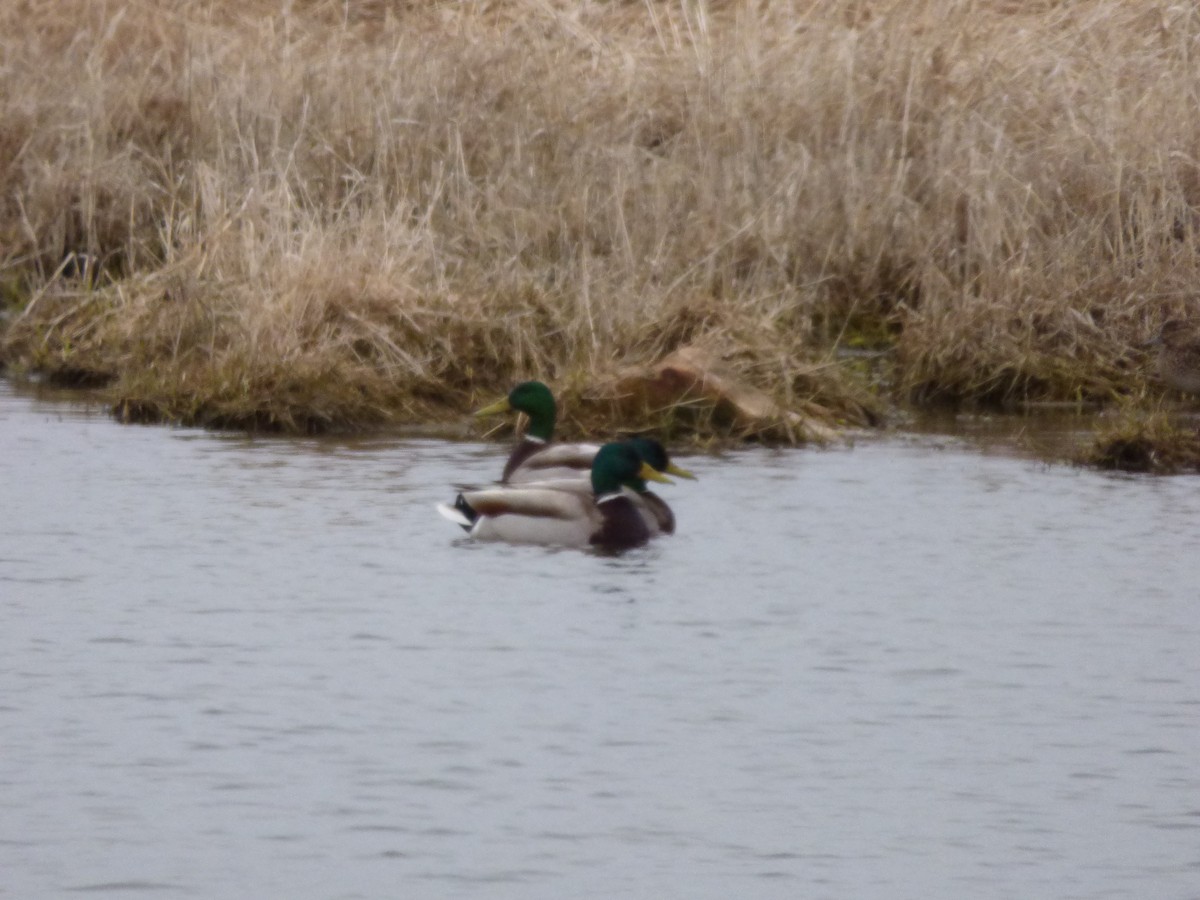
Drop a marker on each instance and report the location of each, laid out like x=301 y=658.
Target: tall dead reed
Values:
x=328 y=214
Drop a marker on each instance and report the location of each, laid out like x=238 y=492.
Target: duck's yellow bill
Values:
x=680 y=473
x=500 y=406
x=649 y=474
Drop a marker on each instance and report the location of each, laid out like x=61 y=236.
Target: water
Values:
x=919 y=667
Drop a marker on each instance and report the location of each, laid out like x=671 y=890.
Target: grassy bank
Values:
x=314 y=215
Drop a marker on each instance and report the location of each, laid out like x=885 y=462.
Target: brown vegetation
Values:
x=1155 y=442
x=337 y=213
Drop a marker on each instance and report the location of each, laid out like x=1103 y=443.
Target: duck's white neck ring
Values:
x=534 y=439
x=604 y=498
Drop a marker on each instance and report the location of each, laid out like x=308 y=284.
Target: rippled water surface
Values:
x=917 y=667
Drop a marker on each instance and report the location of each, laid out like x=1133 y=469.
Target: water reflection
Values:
x=261 y=667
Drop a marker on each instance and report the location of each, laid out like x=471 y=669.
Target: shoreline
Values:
x=1158 y=439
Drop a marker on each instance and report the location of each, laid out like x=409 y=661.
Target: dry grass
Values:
x=1150 y=442
x=326 y=214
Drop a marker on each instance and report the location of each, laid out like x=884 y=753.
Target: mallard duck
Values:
x=1178 y=362
x=658 y=515
x=655 y=455
x=536 y=458
x=606 y=517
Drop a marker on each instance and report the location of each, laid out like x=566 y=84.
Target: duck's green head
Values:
x=617 y=465
x=655 y=454
x=535 y=400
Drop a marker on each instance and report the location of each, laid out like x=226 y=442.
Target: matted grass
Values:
x=1151 y=442
x=316 y=215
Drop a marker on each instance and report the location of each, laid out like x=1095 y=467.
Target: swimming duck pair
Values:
x=568 y=494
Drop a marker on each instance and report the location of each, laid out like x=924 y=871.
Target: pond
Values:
x=917 y=665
